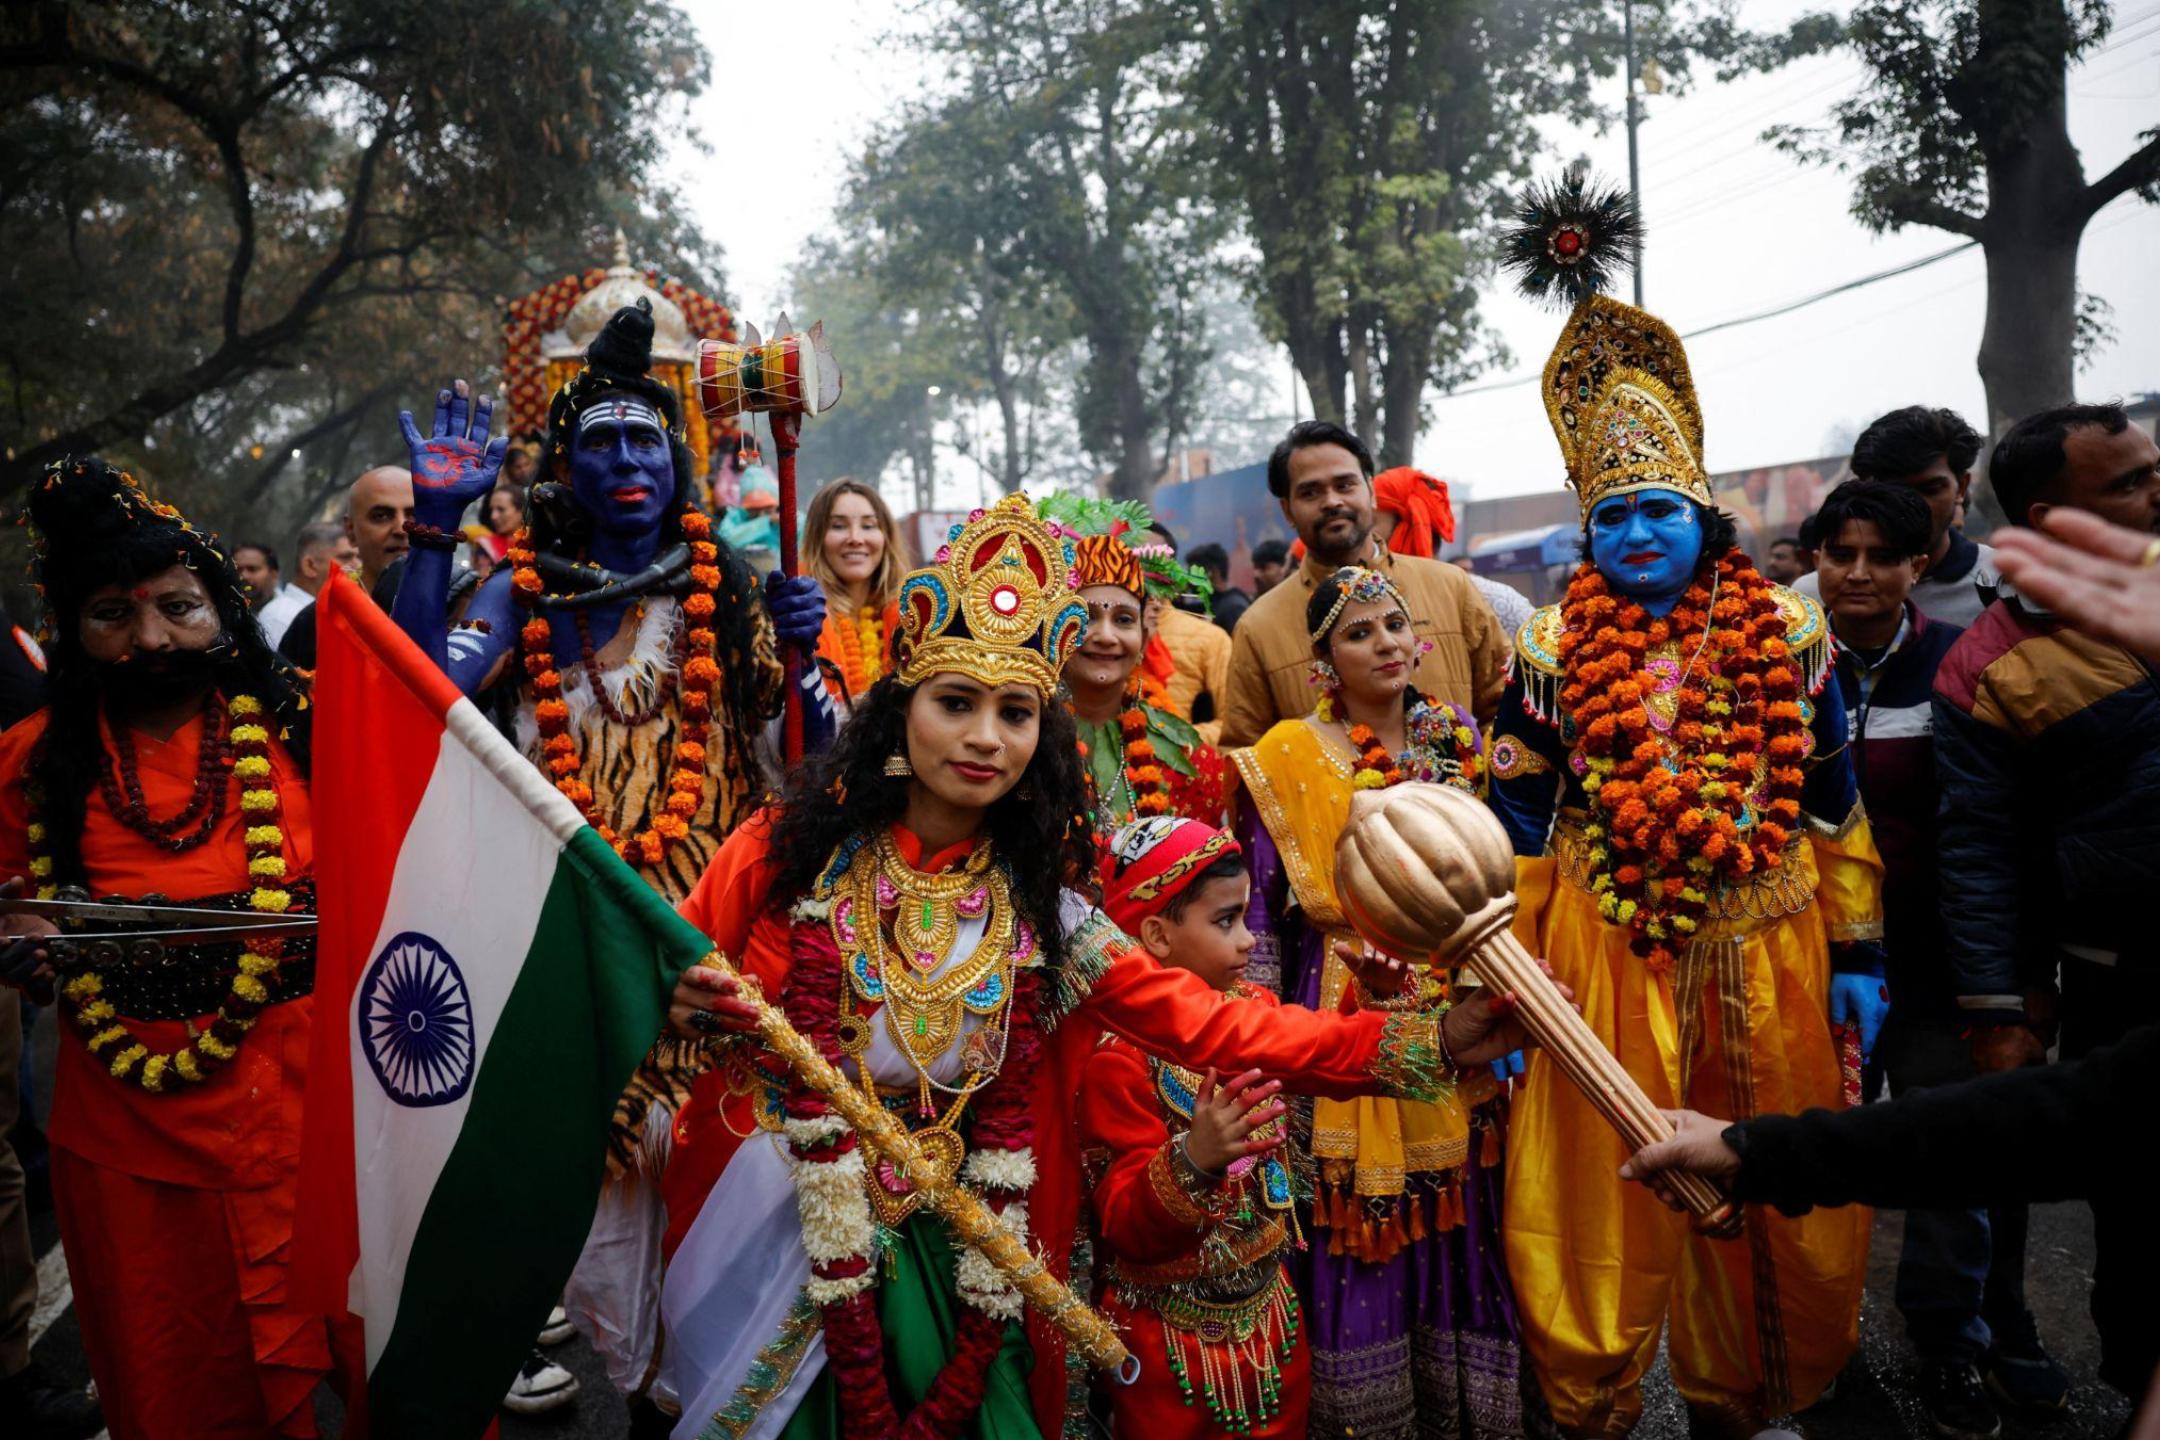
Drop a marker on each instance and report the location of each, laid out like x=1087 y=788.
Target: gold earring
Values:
x=896 y=765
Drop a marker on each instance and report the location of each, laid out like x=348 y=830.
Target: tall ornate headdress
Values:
x=997 y=605
x=1617 y=387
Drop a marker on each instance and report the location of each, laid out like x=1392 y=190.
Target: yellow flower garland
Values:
x=255 y=983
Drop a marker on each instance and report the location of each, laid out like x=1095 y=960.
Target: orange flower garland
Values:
x=860 y=639
x=1675 y=816
x=254 y=984
x=700 y=672
x=1145 y=784
x=1376 y=767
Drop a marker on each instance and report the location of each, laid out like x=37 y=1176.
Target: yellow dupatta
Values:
x=1368 y=1150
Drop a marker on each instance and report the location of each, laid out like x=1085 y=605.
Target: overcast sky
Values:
x=1734 y=228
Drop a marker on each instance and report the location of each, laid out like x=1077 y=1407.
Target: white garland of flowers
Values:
x=838 y=1224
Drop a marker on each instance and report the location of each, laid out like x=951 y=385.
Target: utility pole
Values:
x=1634 y=169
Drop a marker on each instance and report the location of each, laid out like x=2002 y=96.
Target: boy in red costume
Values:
x=1194 y=1209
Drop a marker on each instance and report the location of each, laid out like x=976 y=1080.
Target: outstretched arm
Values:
x=454 y=465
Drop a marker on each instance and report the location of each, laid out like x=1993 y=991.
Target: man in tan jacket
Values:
x=1321 y=474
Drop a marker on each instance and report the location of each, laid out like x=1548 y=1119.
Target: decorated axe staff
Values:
x=1425 y=872
x=785 y=378
x=970 y=1221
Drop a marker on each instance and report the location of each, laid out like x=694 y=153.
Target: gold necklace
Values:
x=923 y=1009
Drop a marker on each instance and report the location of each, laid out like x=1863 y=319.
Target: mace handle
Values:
x=1504 y=966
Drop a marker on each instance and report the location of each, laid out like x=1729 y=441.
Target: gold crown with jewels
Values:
x=997 y=604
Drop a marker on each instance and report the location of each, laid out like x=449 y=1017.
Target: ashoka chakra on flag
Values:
x=416 y=1022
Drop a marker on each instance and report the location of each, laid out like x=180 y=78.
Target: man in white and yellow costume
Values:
x=1671 y=764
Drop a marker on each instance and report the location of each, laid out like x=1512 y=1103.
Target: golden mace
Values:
x=968 y=1218
x=1425 y=872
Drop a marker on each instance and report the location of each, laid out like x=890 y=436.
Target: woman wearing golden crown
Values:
x=910 y=904
x=1671 y=764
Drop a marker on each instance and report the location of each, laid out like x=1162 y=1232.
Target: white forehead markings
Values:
x=626 y=412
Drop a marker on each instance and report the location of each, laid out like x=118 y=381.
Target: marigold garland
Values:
x=700 y=672
x=840 y=1234
x=861 y=643
x=1676 y=816
x=253 y=986
x=1440 y=747
x=1147 y=786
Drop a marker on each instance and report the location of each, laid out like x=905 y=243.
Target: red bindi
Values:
x=140 y=594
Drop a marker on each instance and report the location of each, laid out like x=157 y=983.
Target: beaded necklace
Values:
x=205 y=809
x=254 y=983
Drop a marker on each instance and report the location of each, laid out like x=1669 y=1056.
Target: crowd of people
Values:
x=1054 y=879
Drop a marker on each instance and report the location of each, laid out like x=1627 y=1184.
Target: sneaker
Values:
x=558 y=1327
x=34 y=1408
x=1956 y=1406
x=2022 y=1376
x=541 y=1386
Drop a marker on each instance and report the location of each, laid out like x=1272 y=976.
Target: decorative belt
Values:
x=1227 y=1271
x=148 y=980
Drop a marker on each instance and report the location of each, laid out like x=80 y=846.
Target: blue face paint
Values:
x=622 y=469
x=1646 y=545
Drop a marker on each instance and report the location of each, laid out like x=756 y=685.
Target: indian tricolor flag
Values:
x=488 y=976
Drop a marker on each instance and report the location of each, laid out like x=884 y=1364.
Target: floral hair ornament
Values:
x=1617 y=387
x=1110 y=552
x=1355 y=585
x=996 y=605
x=1155 y=859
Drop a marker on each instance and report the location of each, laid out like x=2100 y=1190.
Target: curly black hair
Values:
x=95 y=529
x=1040 y=827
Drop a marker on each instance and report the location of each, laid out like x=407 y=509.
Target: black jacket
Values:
x=2048 y=1132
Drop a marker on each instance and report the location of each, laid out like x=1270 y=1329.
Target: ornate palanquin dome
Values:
x=545 y=334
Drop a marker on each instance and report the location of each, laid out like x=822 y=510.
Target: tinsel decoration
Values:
x=1570 y=239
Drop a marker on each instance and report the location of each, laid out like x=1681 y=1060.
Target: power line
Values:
x=1786 y=309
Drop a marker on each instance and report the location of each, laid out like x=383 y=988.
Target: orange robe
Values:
x=176 y=1208
x=1157 y=1243
x=1112 y=985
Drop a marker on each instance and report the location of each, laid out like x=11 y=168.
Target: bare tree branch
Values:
x=2139 y=169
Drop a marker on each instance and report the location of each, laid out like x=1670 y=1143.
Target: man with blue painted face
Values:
x=1670 y=762
x=643 y=664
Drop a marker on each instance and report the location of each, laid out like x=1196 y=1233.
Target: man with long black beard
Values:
x=171 y=760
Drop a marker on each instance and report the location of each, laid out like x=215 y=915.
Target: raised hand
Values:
x=456 y=463
x=1224 y=1118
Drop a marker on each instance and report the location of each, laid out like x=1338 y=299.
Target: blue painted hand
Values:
x=797 y=606
x=456 y=463
x=1646 y=545
x=1860 y=1000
